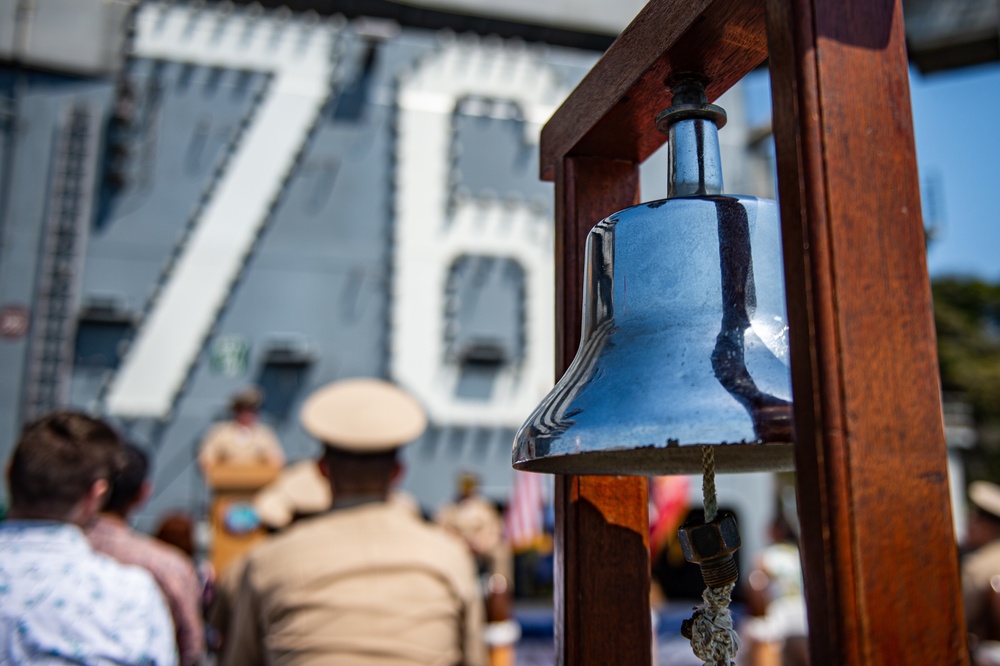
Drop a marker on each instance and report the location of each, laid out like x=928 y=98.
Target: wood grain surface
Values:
x=879 y=551
x=602 y=525
x=611 y=112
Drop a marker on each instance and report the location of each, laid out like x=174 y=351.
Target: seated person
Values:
x=172 y=569
x=60 y=601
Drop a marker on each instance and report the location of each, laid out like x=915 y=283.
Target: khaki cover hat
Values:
x=986 y=496
x=300 y=490
x=363 y=415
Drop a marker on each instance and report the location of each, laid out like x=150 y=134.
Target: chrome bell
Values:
x=685 y=336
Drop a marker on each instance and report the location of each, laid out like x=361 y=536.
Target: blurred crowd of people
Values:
x=350 y=571
x=347 y=569
x=60 y=600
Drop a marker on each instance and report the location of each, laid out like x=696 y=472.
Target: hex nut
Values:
x=704 y=542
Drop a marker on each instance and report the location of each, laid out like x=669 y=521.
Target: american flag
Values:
x=524 y=511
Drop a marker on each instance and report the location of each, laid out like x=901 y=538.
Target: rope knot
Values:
x=710 y=629
x=713 y=638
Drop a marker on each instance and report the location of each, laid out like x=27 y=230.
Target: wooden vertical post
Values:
x=879 y=552
x=602 y=526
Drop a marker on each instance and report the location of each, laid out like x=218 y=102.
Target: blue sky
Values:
x=956 y=117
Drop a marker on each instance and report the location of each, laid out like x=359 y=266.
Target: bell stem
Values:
x=694 y=166
x=694 y=163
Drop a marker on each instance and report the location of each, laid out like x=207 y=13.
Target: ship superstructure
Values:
x=262 y=196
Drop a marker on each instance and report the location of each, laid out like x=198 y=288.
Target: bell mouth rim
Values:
x=736 y=458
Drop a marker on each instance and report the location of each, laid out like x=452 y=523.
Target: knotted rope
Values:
x=713 y=638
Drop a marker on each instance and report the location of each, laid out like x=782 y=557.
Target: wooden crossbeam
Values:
x=611 y=112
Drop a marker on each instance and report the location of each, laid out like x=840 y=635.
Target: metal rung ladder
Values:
x=50 y=352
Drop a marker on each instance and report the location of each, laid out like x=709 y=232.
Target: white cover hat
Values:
x=986 y=496
x=363 y=415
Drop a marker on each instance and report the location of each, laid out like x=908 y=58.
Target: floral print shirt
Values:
x=62 y=603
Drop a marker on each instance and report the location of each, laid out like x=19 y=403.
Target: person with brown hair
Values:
x=173 y=571
x=368 y=582
x=176 y=529
x=59 y=600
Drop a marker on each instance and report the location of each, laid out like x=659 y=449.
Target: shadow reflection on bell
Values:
x=772 y=416
x=553 y=417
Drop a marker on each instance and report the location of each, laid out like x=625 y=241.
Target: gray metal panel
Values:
x=318 y=277
x=77 y=36
x=39 y=102
x=8 y=28
x=492 y=158
x=596 y=15
x=434 y=463
x=317 y=274
x=485 y=318
x=186 y=120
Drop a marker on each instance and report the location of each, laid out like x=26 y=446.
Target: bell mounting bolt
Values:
x=689 y=102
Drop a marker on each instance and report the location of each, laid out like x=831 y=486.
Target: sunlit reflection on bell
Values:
x=684 y=339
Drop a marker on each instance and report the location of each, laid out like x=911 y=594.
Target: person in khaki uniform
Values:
x=367 y=583
x=479 y=523
x=981 y=564
x=300 y=490
x=243 y=439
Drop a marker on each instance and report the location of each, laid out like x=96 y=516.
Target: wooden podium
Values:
x=230 y=485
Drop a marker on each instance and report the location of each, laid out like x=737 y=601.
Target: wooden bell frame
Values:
x=878 y=546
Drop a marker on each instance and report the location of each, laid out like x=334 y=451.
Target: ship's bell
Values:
x=685 y=336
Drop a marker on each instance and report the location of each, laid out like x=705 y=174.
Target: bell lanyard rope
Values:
x=713 y=638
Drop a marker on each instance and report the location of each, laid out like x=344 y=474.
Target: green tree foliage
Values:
x=967 y=317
